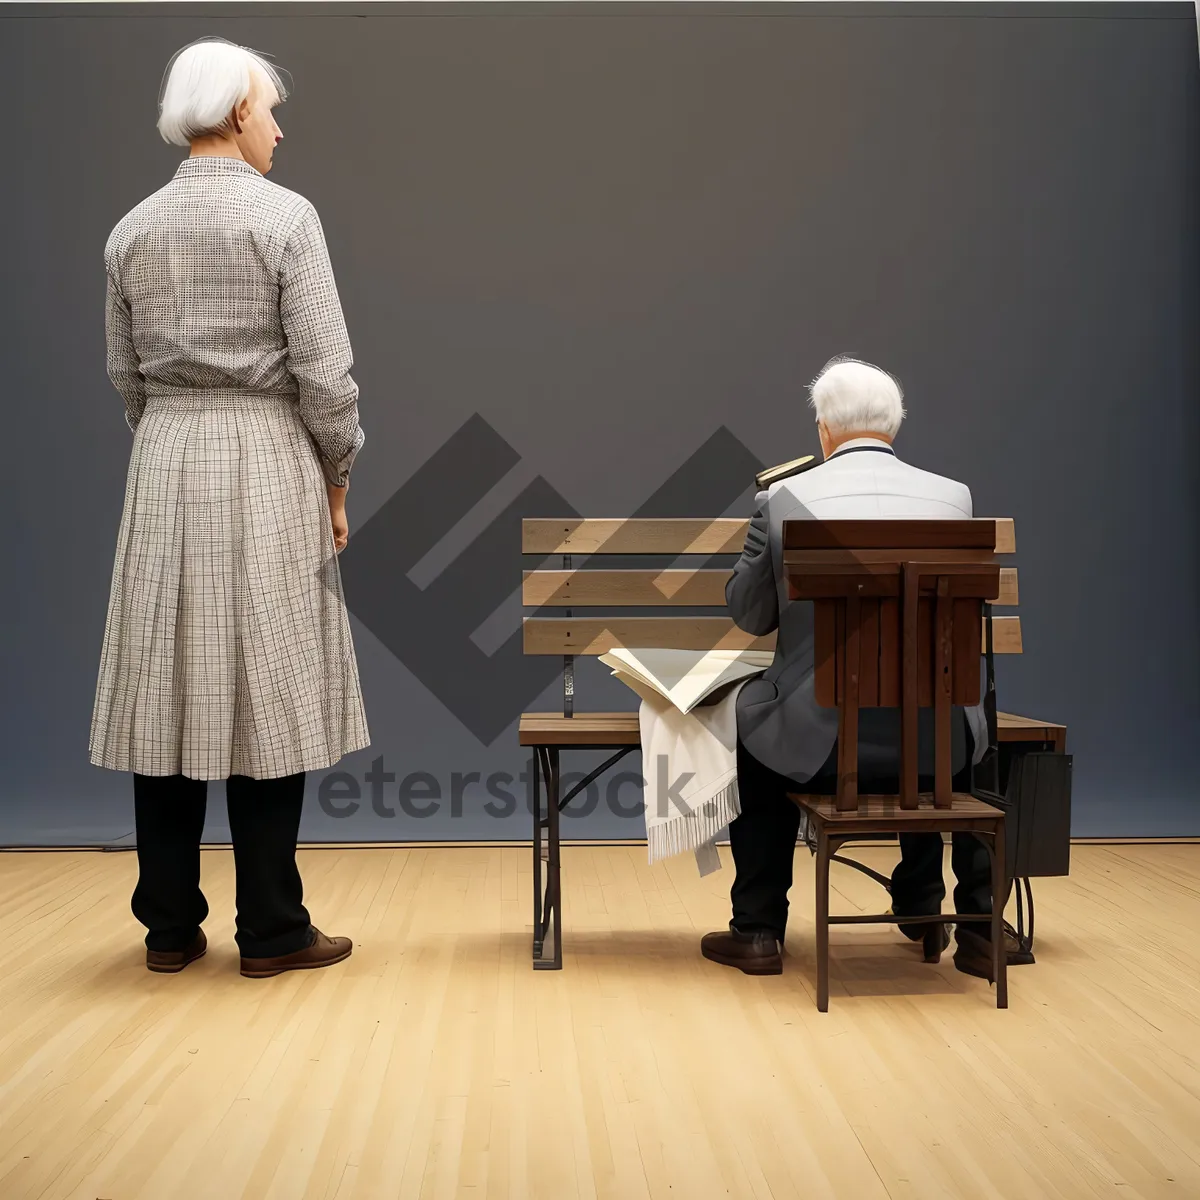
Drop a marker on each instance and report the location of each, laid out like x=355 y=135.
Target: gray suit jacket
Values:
x=779 y=720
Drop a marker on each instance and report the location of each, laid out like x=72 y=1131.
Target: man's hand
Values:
x=337 y=516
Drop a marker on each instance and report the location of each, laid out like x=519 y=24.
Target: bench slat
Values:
x=1012 y=728
x=621 y=729
x=677 y=535
x=587 y=729
x=667 y=535
x=645 y=589
x=599 y=635
x=585 y=589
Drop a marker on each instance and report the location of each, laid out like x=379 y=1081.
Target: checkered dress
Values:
x=227 y=649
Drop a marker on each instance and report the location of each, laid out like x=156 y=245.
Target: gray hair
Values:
x=204 y=82
x=852 y=396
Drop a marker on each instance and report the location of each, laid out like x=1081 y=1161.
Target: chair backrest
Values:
x=665 y=603
x=894 y=600
x=899 y=612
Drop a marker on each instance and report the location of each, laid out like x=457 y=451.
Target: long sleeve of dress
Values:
x=124 y=369
x=319 y=355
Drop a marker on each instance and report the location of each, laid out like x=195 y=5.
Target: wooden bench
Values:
x=660 y=602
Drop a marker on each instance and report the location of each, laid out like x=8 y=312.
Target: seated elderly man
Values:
x=786 y=741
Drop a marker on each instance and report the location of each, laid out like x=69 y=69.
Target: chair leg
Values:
x=823 y=851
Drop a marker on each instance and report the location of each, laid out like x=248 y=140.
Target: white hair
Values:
x=850 y=396
x=204 y=82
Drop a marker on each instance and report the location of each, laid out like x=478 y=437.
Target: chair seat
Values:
x=883 y=814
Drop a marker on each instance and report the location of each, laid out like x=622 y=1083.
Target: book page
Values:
x=685 y=677
x=639 y=687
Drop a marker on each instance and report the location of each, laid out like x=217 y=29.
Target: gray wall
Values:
x=584 y=252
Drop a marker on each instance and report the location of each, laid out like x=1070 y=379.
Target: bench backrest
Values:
x=600 y=602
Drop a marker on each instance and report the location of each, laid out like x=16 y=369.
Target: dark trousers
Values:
x=918 y=888
x=763 y=842
x=264 y=820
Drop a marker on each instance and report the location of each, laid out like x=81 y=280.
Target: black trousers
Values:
x=763 y=841
x=264 y=819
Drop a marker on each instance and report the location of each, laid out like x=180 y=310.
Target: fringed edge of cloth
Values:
x=697 y=829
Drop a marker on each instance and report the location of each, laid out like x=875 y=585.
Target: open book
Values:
x=685 y=677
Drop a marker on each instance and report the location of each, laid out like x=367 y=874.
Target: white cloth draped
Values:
x=689 y=761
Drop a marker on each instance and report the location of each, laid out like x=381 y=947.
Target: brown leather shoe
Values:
x=324 y=952
x=171 y=962
x=973 y=954
x=751 y=953
x=934 y=938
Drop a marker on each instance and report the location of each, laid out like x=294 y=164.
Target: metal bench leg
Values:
x=539 y=915
x=553 y=900
x=999 y=955
x=1023 y=890
x=823 y=851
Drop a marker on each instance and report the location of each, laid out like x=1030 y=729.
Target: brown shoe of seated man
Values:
x=973 y=954
x=323 y=952
x=753 y=953
x=171 y=962
x=925 y=934
x=936 y=938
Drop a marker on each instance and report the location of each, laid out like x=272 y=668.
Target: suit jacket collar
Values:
x=863 y=443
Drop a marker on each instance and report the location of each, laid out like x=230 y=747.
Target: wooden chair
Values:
x=675 y=597
x=898 y=612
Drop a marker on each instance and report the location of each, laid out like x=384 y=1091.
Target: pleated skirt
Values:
x=227 y=647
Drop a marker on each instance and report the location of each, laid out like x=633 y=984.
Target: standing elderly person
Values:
x=786 y=741
x=227 y=649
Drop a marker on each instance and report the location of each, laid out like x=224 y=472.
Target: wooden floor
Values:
x=436 y=1063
